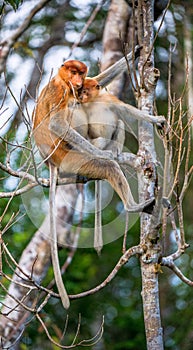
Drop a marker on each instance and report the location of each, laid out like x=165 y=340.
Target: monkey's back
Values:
x=52 y=99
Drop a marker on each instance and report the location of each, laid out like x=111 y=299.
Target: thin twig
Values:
x=169 y=263
x=8 y=43
x=122 y=261
x=86 y=26
x=28 y=277
x=89 y=342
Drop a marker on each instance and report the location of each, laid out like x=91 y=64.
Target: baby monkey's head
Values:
x=89 y=91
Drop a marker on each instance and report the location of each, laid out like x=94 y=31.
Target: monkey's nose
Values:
x=78 y=85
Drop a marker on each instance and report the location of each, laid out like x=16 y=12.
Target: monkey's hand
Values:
x=61 y=128
x=159 y=120
x=126 y=158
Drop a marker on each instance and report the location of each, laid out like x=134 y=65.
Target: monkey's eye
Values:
x=73 y=72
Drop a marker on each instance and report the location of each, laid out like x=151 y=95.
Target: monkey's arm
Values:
x=106 y=77
x=60 y=127
x=124 y=111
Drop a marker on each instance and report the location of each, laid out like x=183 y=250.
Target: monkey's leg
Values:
x=100 y=142
x=110 y=171
x=95 y=168
x=60 y=127
x=53 y=236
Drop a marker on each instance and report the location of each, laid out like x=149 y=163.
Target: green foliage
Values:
x=13 y=3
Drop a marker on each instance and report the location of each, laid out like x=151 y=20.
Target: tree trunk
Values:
x=188 y=61
x=115 y=34
x=147 y=177
x=118 y=25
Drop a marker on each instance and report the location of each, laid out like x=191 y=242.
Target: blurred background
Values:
x=50 y=39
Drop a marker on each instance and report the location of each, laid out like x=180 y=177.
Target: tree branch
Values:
x=168 y=262
x=8 y=43
x=122 y=261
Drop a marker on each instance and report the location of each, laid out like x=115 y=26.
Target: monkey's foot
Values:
x=146 y=207
x=160 y=120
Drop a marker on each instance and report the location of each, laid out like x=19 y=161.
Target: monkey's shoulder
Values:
x=106 y=97
x=105 y=102
x=55 y=90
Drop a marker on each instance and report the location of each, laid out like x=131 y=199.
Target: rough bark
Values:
x=147 y=179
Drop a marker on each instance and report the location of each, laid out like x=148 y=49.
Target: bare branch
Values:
x=168 y=262
x=28 y=277
x=8 y=43
x=87 y=25
x=122 y=261
x=123 y=158
x=88 y=342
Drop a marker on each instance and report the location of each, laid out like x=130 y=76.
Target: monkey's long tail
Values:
x=98 y=235
x=53 y=235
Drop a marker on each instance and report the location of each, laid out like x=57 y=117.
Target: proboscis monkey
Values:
x=54 y=98
x=65 y=149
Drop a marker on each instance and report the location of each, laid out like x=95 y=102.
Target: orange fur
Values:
x=54 y=98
